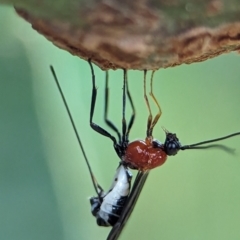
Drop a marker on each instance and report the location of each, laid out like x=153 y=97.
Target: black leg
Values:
x=124 y=124
x=96 y=186
x=93 y=125
x=108 y=122
x=133 y=111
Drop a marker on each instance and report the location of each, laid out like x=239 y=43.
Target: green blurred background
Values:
x=44 y=182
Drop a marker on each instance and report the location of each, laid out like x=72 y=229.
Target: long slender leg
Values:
x=156 y=118
x=93 y=125
x=149 y=122
x=124 y=124
x=107 y=121
x=131 y=121
x=96 y=186
x=133 y=111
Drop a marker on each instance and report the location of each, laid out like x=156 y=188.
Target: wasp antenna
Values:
x=195 y=145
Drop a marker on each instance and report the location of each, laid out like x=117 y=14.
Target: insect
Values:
x=107 y=207
x=114 y=207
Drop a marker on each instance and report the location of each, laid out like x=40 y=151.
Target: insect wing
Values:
x=130 y=204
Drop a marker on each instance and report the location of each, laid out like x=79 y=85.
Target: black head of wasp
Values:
x=114 y=207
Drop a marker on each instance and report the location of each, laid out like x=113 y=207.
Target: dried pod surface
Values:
x=144 y=34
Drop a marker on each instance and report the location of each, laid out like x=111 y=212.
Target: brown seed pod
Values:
x=139 y=34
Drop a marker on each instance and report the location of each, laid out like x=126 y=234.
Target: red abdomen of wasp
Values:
x=142 y=155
